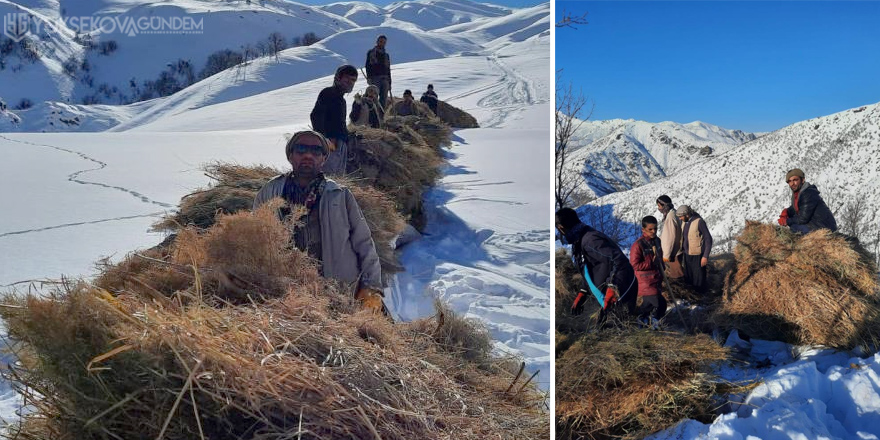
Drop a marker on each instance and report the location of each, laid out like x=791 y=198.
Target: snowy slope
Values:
x=407 y=43
x=617 y=155
x=143 y=56
x=840 y=153
x=807 y=393
x=434 y=14
x=82 y=196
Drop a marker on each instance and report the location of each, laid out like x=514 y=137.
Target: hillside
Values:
x=838 y=153
x=618 y=155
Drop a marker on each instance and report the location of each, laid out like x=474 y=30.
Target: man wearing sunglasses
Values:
x=808 y=211
x=333 y=231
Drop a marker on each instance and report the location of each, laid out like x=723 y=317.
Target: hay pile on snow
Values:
x=626 y=384
x=455 y=117
x=403 y=170
x=158 y=349
x=820 y=288
x=433 y=131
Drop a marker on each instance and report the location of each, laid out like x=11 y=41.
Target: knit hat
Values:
x=794 y=172
x=288 y=149
x=373 y=88
x=683 y=210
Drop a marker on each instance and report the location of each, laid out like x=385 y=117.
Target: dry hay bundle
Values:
x=626 y=384
x=568 y=282
x=455 y=117
x=306 y=363
x=235 y=186
x=819 y=288
x=400 y=169
x=434 y=131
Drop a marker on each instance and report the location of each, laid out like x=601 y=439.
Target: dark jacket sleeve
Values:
x=599 y=256
x=367 y=66
x=707 y=239
x=807 y=203
x=319 y=114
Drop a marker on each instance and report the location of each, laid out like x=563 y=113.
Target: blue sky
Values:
x=748 y=65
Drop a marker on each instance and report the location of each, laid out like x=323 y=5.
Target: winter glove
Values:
x=783 y=218
x=370 y=299
x=610 y=298
x=577 y=306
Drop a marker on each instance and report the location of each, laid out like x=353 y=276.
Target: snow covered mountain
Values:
x=839 y=153
x=52 y=78
x=618 y=155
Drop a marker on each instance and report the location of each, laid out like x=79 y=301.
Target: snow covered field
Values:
x=806 y=393
x=74 y=198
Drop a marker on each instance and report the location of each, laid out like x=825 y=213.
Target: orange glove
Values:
x=577 y=306
x=610 y=298
x=783 y=218
x=370 y=299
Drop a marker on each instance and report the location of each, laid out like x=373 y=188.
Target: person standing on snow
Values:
x=378 y=67
x=670 y=237
x=328 y=118
x=645 y=258
x=608 y=275
x=696 y=245
x=808 y=211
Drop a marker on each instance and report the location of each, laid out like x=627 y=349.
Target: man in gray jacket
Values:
x=333 y=231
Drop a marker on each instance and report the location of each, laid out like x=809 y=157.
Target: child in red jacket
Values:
x=644 y=255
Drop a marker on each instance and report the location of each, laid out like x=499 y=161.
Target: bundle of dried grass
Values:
x=568 y=282
x=820 y=288
x=403 y=170
x=235 y=186
x=626 y=384
x=302 y=362
x=455 y=117
x=434 y=131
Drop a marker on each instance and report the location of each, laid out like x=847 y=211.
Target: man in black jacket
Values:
x=378 y=67
x=608 y=275
x=430 y=98
x=328 y=118
x=808 y=211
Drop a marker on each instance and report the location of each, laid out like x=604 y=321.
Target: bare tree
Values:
x=572 y=21
x=570 y=115
x=854 y=218
x=277 y=43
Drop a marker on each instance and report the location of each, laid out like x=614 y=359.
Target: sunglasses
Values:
x=317 y=150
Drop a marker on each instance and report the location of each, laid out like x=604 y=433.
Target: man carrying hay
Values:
x=608 y=275
x=407 y=107
x=646 y=261
x=808 y=211
x=378 y=67
x=670 y=237
x=333 y=230
x=430 y=98
x=366 y=110
x=696 y=245
x=328 y=118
